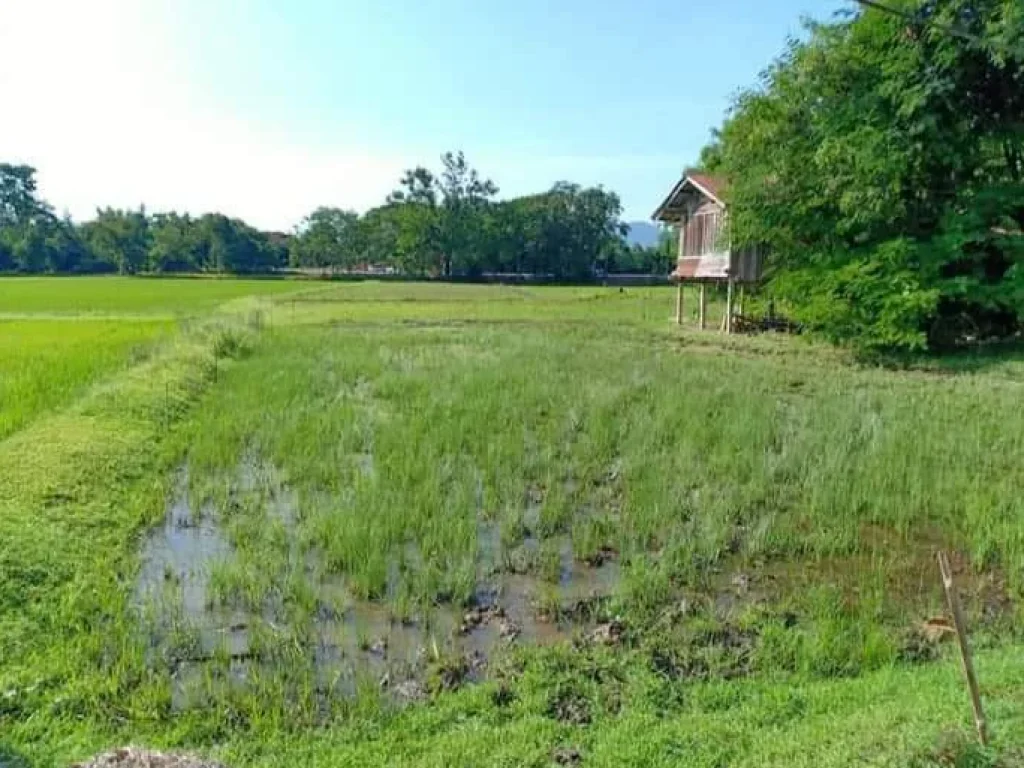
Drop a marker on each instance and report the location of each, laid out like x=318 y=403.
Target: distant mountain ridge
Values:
x=642 y=233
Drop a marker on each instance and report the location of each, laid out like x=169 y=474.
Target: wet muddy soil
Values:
x=209 y=644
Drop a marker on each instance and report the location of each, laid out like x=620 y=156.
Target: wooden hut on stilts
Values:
x=695 y=210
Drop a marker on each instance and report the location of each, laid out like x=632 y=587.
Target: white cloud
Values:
x=96 y=96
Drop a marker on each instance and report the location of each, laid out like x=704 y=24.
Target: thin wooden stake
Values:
x=965 y=648
x=703 y=305
x=679 y=303
x=728 y=307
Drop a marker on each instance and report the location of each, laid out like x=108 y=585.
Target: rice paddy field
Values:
x=286 y=523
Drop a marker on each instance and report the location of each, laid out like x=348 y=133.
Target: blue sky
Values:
x=266 y=109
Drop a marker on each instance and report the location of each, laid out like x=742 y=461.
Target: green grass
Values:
x=774 y=511
x=374 y=302
x=45 y=364
x=128 y=295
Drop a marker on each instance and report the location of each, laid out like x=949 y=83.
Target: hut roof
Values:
x=703 y=183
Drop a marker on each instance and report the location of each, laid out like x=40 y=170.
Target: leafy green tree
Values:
x=574 y=231
x=6 y=252
x=445 y=217
x=879 y=160
x=176 y=244
x=465 y=207
x=417 y=242
x=27 y=224
x=231 y=245
x=19 y=204
x=65 y=249
x=121 y=238
x=328 y=237
x=418 y=185
x=433 y=225
x=413 y=209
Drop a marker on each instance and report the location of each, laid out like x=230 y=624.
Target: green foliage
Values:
x=636 y=259
x=234 y=246
x=176 y=244
x=328 y=237
x=438 y=225
x=120 y=238
x=449 y=225
x=880 y=160
x=32 y=239
x=18 y=201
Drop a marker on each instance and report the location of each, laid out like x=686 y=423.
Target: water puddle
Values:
x=343 y=643
x=172 y=591
x=540 y=610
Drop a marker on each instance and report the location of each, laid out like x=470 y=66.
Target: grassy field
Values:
x=45 y=364
x=405 y=524
x=126 y=295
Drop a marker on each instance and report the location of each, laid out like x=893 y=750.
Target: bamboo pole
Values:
x=728 y=307
x=965 y=648
x=703 y=306
x=679 y=303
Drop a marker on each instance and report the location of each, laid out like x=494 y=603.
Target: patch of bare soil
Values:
x=134 y=757
x=568 y=706
x=567 y=756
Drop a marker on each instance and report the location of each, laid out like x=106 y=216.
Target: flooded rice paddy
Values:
x=210 y=636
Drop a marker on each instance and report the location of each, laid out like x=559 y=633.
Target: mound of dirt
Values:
x=133 y=757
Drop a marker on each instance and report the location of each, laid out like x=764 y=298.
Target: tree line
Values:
x=881 y=159
x=443 y=225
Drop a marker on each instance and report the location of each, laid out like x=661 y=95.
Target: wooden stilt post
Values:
x=679 y=303
x=703 y=306
x=965 y=648
x=728 y=307
x=739 y=304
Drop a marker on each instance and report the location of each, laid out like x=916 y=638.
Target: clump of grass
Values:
x=549 y=561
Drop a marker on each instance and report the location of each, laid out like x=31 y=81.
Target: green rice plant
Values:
x=549 y=561
x=45 y=364
x=130 y=295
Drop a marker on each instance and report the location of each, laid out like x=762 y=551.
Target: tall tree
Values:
x=19 y=204
x=121 y=238
x=445 y=213
x=328 y=237
x=27 y=223
x=880 y=159
x=466 y=200
x=234 y=246
x=176 y=244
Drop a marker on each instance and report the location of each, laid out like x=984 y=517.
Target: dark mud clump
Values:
x=569 y=706
x=566 y=756
x=723 y=650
